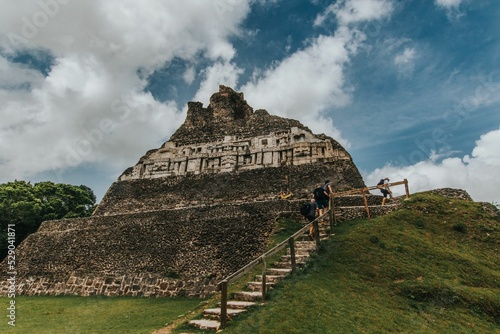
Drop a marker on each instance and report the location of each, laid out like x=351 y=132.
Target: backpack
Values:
x=319 y=194
x=305 y=208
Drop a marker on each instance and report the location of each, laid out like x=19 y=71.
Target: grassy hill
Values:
x=430 y=267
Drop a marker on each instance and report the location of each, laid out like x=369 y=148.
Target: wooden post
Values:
x=264 y=269
x=406 y=188
x=332 y=200
x=366 y=204
x=291 y=242
x=223 y=304
x=316 y=233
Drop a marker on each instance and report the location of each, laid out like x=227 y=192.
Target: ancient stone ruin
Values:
x=190 y=212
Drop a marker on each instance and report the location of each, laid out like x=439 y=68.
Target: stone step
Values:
x=248 y=296
x=300 y=251
x=257 y=286
x=270 y=278
x=237 y=304
x=214 y=313
x=309 y=244
x=288 y=264
x=304 y=238
x=206 y=324
x=279 y=271
x=298 y=258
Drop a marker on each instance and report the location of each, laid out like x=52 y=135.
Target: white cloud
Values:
x=405 y=60
x=355 y=11
x=448 y=3
x=92 y=108
x=308 y=82
x=477 y=173
x=218 y=74
x=189 y=75
x=452 y=8
x=486 y=93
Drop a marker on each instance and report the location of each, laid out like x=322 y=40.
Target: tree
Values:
x=27 y=206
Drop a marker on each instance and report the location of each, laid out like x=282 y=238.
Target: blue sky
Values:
x=410 y=88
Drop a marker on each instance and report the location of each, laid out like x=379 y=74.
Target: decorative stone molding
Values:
x=292 y=147
x=234 y=138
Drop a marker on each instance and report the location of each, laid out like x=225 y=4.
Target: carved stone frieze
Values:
x=290 y=147
x=228 y=136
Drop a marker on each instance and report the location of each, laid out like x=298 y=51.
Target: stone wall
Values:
x=207 y=189
x=228 y=114
x=359 y=212
x=452 y=193
x=176 y=252
x=141 y=285
x=160 y=253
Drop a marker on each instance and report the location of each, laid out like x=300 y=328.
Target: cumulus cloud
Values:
x=308 y=82
x=476 y=173
x=311 y=81
x=91 y=106
x=355 y=11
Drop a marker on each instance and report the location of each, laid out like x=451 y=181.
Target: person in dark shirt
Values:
x=321 y=197
x=383 y=185
x=311 y=215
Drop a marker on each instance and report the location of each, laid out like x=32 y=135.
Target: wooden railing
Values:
x=223 y=285
x=364 y=191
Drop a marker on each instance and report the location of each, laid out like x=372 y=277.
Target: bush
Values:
x=460 y=227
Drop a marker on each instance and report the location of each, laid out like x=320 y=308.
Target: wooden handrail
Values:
x=366 y=189
x=240 y=272
x=223 y=285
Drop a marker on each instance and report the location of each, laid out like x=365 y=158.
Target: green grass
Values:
x=430 y=267
x=85 y=315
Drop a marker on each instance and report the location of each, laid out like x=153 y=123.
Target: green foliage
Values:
x=27 y=206
x=460 y=227
x=285 y=228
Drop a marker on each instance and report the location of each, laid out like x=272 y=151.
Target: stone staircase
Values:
x=347 y=208
x=242 y=301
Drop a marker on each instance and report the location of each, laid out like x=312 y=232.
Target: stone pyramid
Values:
x=190 y=212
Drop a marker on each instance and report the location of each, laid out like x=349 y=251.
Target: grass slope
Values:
x=430 y=267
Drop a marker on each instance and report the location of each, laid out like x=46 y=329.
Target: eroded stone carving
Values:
x=235 y=142
x=294 y=147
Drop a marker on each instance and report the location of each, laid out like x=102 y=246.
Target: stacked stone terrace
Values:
x=226 y=153
x=190 y=212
